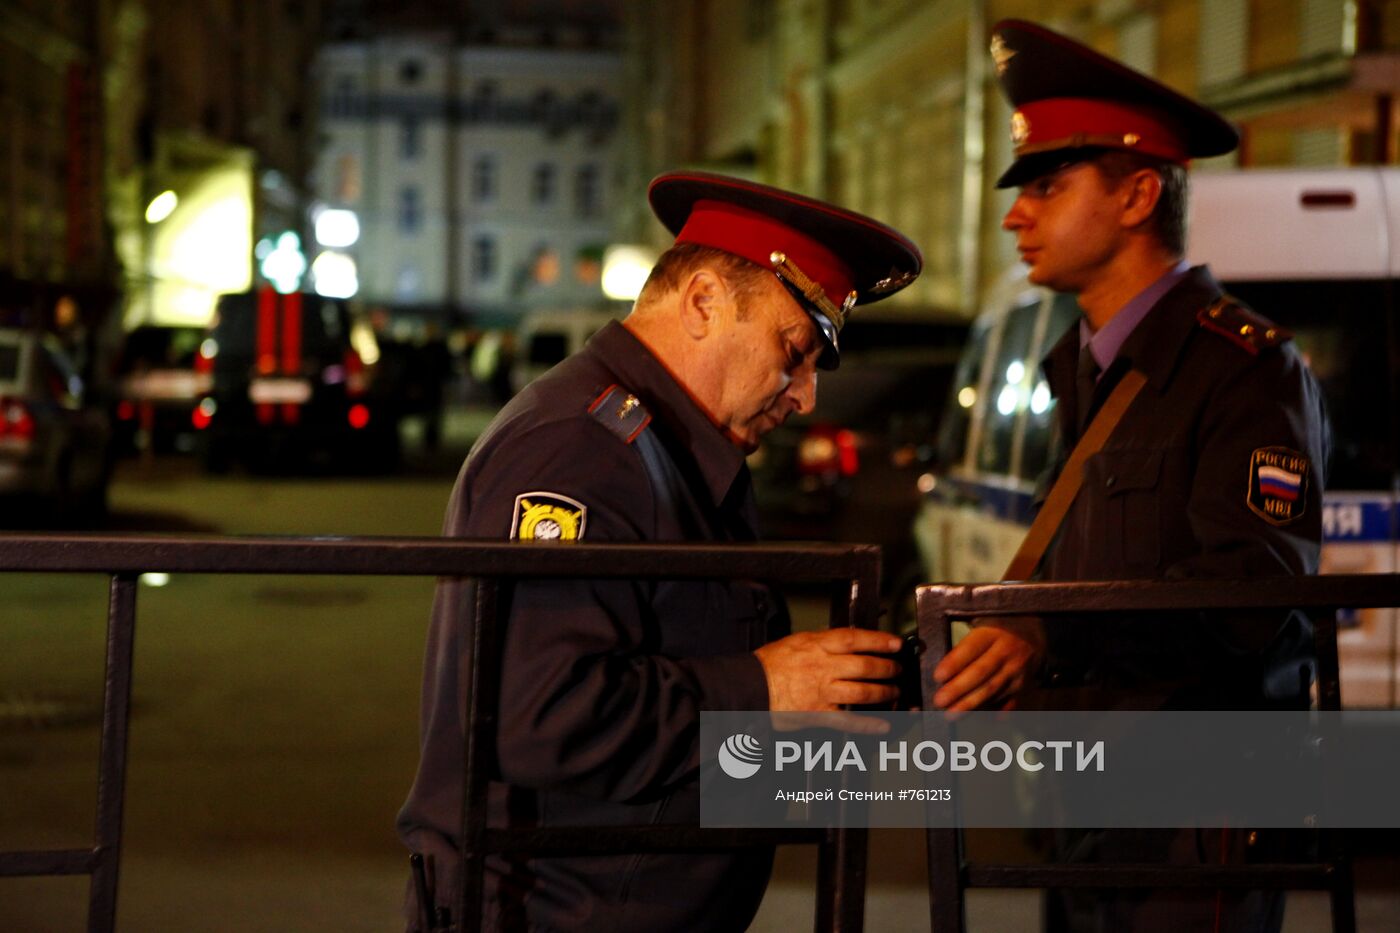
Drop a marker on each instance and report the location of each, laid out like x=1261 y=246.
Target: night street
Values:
x=273 y=732
x=274 y=725
x=274 y=728
x=1094 y=295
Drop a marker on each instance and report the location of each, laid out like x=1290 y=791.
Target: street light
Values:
x=625 y=270
x=337 y=228
x=162 y=206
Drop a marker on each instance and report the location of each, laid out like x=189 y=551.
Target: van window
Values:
x=548 y=349
x=1345 y=330
x=957 y=413
x=1040 y=414
x=9 y=362
x=325 y=330
x=1007 y=392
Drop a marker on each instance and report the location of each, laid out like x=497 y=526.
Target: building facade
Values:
x=482 y=175
x=890 y=106
x=52 y=225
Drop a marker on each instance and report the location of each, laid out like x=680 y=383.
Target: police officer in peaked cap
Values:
x=640 y=437
x=1215 y=469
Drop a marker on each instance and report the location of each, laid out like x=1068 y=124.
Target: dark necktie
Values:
x=1086 y=380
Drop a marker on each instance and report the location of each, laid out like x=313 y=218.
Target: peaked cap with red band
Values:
x=1072 y=102
x=829 y=258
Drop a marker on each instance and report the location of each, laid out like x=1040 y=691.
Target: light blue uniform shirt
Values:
x=1106 y=343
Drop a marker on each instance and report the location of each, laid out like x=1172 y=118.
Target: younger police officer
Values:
x=642 y=436
x=1216 y=468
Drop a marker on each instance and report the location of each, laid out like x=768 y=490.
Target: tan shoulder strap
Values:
x=1066 y=487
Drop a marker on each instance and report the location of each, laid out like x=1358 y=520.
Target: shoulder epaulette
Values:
x=1244 y=328
x=620 y=412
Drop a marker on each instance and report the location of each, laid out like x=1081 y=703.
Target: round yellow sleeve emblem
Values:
x=547 y=516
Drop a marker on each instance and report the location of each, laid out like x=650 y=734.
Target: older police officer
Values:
x=642 y=436
x=1216 y=468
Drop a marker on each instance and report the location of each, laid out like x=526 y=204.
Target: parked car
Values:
x=848 y=470
x=158 y=389
x=54 y=442
x=289 y=388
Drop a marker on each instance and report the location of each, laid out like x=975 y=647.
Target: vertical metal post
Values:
x=841 y=877
x=1341 y=889
x=111 y=775
x=482 y=699
x=841 y=864
x=841 y=855
x=945 y=888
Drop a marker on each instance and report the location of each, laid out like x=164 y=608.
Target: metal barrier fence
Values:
x=851 y=571
x=938 y=606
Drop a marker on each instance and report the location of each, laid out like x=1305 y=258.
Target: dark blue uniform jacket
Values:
x=1175 y=493
x=602 y=681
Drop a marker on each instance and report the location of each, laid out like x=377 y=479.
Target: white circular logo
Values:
x=740 y=756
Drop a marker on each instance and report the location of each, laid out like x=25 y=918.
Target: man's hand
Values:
x=821 y=671
x=990 y=665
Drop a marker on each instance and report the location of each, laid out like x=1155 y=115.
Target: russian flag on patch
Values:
x=1276 y=481
x=1278 y=484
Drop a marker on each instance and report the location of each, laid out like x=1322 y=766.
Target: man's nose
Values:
x=803 y=390
x=1015 y=218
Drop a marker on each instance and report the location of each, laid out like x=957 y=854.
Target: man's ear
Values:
x=1141 y=190
x=702 y=297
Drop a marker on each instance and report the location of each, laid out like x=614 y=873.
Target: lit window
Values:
x=347 y=179
x=545 y=267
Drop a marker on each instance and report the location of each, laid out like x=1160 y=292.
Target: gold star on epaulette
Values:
x=1244 y=328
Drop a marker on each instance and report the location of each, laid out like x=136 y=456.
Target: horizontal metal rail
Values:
x=430 y=557
x=1356 y=590
x=610 y=840
x=940 y=604
x=1125 y=875
x=841 y=864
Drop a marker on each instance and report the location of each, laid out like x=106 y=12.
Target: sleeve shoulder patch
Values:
x=1241 y=326
x=547 y=516
x=620 y=412
x=1278 y=484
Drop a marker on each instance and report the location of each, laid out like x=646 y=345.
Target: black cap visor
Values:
x=1028 y=168
x=830 y=356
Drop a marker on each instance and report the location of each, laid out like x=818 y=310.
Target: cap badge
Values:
x=891 y=283
x=1020 y=128
x=1001 y=54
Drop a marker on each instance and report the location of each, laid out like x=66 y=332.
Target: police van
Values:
x=1317 y=251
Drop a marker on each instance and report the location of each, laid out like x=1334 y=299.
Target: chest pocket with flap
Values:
x=1127 y=483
